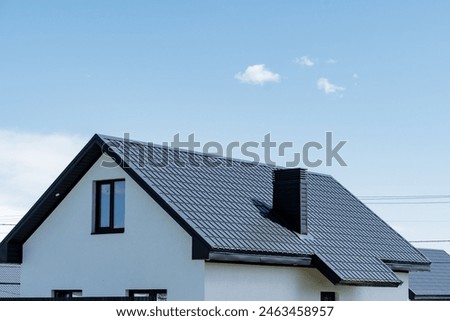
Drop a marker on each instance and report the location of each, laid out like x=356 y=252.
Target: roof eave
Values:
x=428 y=297
x=408 y=266
x=255 y=258
x=391 y=284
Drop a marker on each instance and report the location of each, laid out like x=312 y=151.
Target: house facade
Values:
x=112 y=226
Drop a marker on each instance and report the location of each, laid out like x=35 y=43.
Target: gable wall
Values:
x=154 y=252
x=225 y=281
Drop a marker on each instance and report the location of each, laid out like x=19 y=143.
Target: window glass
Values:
x=105 y=201
x=151 y=295
x=161 y=296
x=119 y=204
x=327 y=296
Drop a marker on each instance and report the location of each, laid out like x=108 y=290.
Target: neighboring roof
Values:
x=226 y=208
x=435 y=284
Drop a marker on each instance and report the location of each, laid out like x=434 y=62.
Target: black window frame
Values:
x=98 y=229
x=327 y=296
x=67 y=294
x=152 y=294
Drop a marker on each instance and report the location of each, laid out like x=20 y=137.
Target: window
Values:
x=327 y=296
x=67 y=294
x=109 y=206
x=152 y=295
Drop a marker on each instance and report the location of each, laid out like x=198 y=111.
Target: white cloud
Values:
x=355 y=76
x=329 y=88
x=29 y=163
x=331 y=61
x=257 y=75
x=305 y=61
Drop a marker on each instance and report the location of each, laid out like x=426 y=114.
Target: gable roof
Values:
x=225 y=205
x=435 y=284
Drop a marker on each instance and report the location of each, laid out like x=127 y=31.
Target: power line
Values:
x=417 y=221
x=431 y=241
x=402 y=197
x=406 y=203
x=406 y=199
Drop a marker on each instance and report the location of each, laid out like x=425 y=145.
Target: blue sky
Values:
x=375 y=74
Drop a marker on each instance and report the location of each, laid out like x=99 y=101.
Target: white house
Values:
x=129 y=219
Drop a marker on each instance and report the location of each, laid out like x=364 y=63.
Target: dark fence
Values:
x=107 y=298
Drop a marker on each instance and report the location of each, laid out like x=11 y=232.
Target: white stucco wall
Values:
x=154 y=252
x=266 y=283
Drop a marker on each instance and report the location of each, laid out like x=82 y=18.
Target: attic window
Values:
x=109 y=206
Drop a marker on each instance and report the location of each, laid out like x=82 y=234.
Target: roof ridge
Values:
x=102 y=136
x=227 y=158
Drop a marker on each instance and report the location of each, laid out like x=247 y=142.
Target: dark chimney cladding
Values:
x=289 y=198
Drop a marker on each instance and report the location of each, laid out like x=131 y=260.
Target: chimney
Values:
x=289 y=198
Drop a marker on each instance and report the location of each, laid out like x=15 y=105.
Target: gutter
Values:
x=228 y=257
